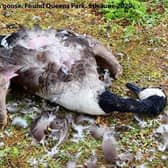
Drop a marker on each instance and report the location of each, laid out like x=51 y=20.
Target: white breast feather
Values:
x=83 y=100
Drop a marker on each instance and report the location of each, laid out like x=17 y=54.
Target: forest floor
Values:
x=143 y=54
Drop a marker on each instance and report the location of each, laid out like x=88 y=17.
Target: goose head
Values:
x=156 y=95
x=151 y=102
x=144 y=93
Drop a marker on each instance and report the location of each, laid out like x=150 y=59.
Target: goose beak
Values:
x=135 y=89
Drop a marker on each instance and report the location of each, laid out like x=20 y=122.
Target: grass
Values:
x=144 y=61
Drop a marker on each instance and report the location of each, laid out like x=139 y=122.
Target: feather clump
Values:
x=109 y=143
x=109 y=147
x=163 y=131
x=20 y=122
x=40 y=125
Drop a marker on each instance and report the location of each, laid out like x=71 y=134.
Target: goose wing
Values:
x=104 y=57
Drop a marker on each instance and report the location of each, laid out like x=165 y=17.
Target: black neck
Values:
x=110 y=102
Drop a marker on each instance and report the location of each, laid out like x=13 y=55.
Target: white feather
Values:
x=4 y=42
x=84 y=101
x=18 y=121
x=163 y=130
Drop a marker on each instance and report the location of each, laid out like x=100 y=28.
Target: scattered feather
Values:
x=12 y=107
x=20 y=122
x=36 y=18
x=163 y=131
x=82 y=118
x=109 y=146
x=142 y=166
x=151 y=153
x=70 y=118
x=79 y=131
x=30 y=110
x=60 y=130
x=164 y=118
x=2 y=144
x=52 y=152
x=40 y=124
x=126 y=157
x=92 y=163
x=33 y=162
x=120 y=55
x=138 y=155
x=164 y=157
x=37 y=162
x=141 y=123
x=8 y=133
x=107 y=78
x=71 y=164
x=97 y=132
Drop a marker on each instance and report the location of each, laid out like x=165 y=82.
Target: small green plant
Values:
x=128 y=32
x=9 y=151
x=131 y=10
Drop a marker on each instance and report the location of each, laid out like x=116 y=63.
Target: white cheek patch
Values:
x=151 y=92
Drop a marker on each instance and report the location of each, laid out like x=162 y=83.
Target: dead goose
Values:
x=60 y=66
x=6 y=73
